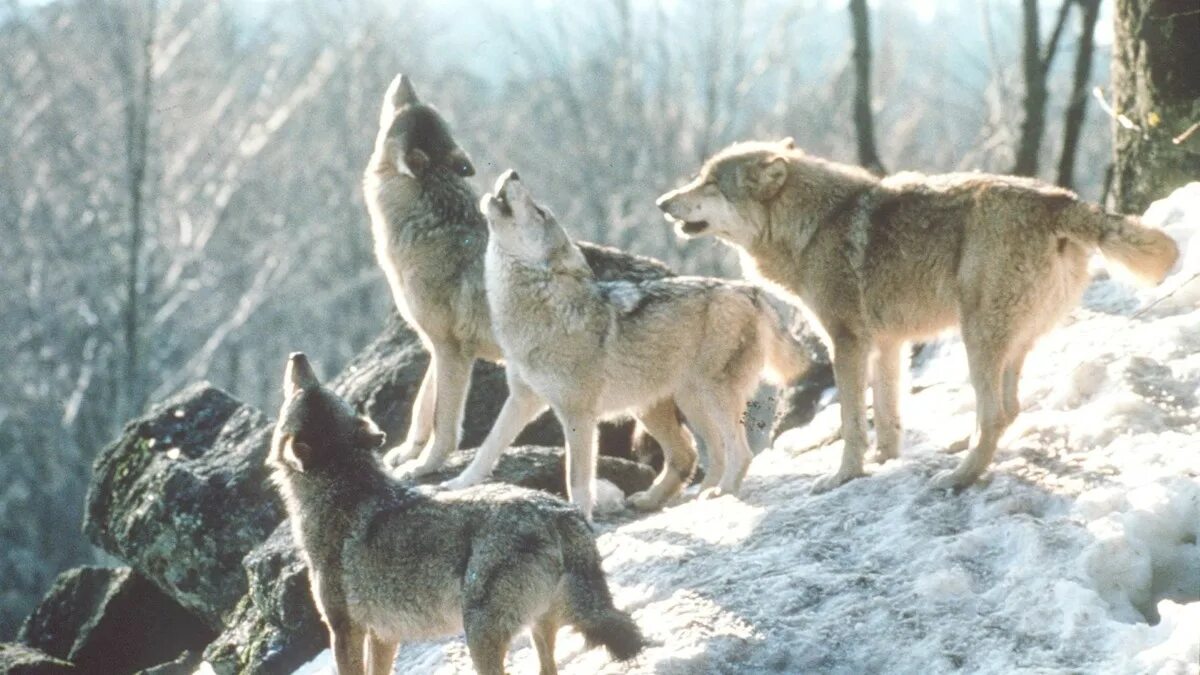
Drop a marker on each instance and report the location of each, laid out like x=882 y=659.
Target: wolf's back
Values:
x=589 y=601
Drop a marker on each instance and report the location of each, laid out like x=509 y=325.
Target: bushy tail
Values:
x=1147 y=253
x=787 y=358
x=589 y=602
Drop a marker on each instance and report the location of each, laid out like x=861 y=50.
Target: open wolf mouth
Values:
x=502 y=202
x=693 y=226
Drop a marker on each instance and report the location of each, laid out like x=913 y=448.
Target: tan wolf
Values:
x=592 y=348
x=430 y=240
x=388 y=562
x=879 y=262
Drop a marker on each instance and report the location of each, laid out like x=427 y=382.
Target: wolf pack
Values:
x=592 y=332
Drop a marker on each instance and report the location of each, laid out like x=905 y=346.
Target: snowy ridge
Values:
x=1076 y=553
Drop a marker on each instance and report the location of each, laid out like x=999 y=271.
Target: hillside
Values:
x=1078 y=552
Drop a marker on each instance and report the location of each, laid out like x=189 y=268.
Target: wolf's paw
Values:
x=462 y=481
x=955 y=479
x=414 y=469
x=643 y=501
x=959 y=445
x=884 y=455
x=405 y=452
x=830 y=481
x=714 y=492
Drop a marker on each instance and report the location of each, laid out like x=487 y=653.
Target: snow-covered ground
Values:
x=1077 y=552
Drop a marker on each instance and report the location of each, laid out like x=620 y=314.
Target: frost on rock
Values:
x=1077 y=552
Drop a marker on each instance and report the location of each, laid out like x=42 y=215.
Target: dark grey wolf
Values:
x=389 y=563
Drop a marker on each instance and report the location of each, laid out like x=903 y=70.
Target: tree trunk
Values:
x=1156 y=85
x=1036 y=67
x=1077 y=107
x=864 y=123
x=139 y=95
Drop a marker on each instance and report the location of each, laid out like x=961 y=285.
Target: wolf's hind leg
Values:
x=545 y=631
x=521 y=406
x=850 y=354
x=986 y=359
x=679 y=455
x=737 y=451
x=889 y=433
x=452 y=380
x=421 y=424
x=380 y=654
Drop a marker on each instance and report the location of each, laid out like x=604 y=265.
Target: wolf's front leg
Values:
x=580 y=430
x=850 y=373
x=520 y=408
x=421 y=425
x=380 y=654
x=453 y=378
x=347 y=641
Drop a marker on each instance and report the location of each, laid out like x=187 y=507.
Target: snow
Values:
x=1076 y=553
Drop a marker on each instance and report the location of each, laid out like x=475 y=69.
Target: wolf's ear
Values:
x=416 y=161
x=298 y=375
x=788 y=143
x=399 y=94
x=298 y=455
x=460 y=163
x=767 y=178
x=367 y=436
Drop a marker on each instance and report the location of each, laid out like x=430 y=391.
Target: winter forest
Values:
x=181 y=184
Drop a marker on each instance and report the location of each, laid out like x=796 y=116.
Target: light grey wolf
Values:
x=389 y=563
x=592 y=348
x=879 y=262
x=430 y=240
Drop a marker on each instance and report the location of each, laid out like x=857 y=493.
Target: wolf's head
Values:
x=414 y=137
x=730 y=196
x=316 y=427
x=522 y=227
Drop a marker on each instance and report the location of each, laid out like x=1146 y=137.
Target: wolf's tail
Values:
x=787 y=358
x=1147 y=253
x=589 y=602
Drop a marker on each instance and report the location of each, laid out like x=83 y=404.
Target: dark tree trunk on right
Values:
x=864 y=124
x=1156 y=85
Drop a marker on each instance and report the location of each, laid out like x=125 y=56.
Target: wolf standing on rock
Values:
x=389 y=563
x=430 y=240
x=882 y=261
x=592 y=348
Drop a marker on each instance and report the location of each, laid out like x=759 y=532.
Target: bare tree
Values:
x=1036 y=62
x=1077 y=105
x=864 y=119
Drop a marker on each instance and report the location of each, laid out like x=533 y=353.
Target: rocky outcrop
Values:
x=18 y=659
x=106 y=620
x=182 y=498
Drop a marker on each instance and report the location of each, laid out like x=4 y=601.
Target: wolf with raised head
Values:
x=430 y=240
x=879 y=262
x=592 y=348
x=390 y=563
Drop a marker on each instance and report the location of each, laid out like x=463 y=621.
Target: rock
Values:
x=111 y=620
x=182 y=498
x=542 y=468
x=185 y=664
x=276 y=628
x=17 y=659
